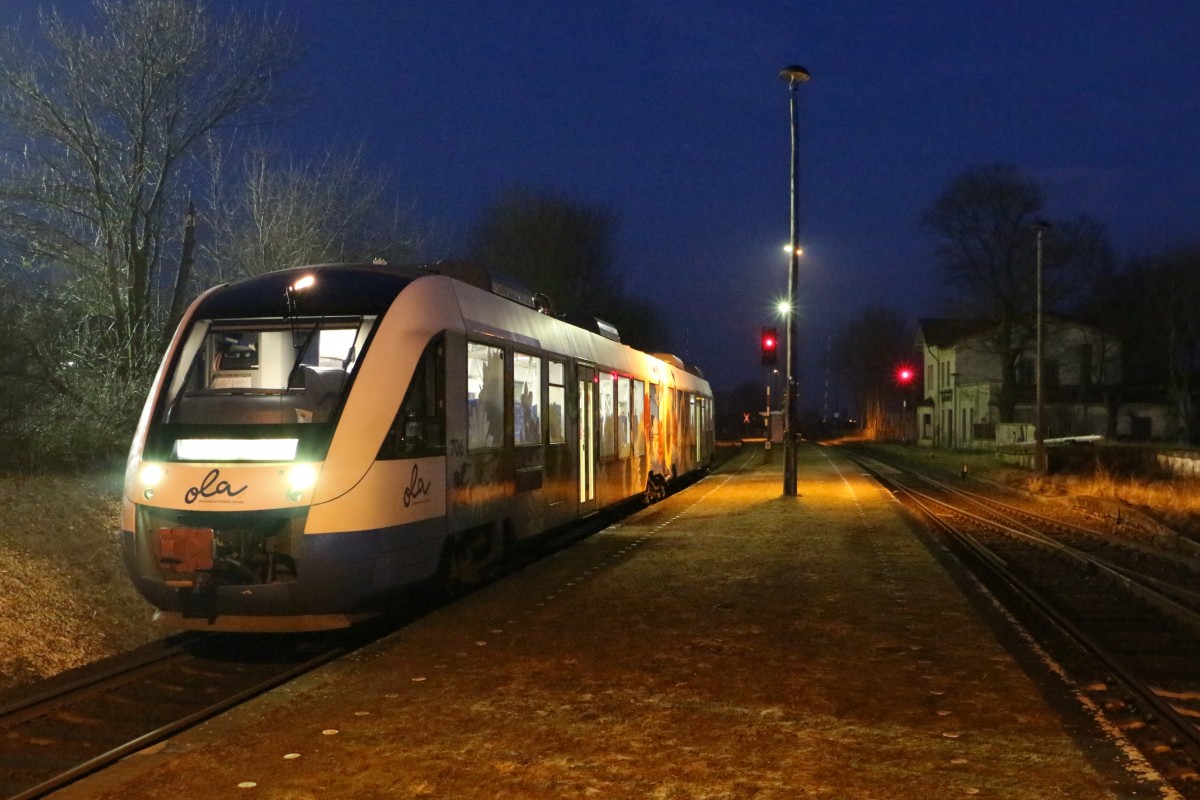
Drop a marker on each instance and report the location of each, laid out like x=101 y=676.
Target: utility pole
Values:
x=793 y=75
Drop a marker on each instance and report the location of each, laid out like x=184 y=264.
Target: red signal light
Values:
x=905 y=375
x=770 y=347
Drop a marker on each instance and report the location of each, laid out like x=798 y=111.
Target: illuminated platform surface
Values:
x=726 y=643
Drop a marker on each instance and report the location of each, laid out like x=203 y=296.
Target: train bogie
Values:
x=321 y=440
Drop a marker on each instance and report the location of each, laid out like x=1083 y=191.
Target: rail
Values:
x=1139 y=638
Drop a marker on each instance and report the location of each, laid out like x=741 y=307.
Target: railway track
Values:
x=1129 y=611
x=101 y=714
x=72 y=726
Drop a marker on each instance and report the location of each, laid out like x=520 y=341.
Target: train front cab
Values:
x=251 y=502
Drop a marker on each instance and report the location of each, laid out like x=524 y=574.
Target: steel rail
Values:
x=1184 y=729
x=120 y=672
x=991 y=502
x=172 y=728
x=1135 y=582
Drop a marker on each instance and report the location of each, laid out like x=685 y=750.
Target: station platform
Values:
x=725 y=643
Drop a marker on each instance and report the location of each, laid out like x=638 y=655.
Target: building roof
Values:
x=945 y=332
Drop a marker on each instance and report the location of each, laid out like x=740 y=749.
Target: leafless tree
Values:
x=101 y=124
x=565 y=249
x=869 y=351
x=103 y=118
x=560 y=247
x=276 y=213
x=1153 y=305
x=987 y=254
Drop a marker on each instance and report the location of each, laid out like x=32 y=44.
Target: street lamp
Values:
x=1039 y=446
x=793 y=76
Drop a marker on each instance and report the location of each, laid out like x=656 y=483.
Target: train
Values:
x=321 y=442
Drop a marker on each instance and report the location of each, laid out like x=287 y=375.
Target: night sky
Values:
x=672 y=115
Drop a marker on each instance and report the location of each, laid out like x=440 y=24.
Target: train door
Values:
x=587 y=440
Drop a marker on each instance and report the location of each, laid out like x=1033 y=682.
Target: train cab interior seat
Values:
x=322 y=387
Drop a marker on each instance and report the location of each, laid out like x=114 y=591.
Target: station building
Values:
x=1084 y=396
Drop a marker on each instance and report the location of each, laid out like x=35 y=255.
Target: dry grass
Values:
x=66 y=600
x=1174 y=496
x=1173 y=501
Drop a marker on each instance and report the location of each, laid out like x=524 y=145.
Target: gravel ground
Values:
x=726 y=643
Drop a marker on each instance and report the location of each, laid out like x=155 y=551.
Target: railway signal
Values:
x=770 y=347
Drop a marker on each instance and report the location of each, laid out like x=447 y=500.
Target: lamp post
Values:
x=1039 y=446
x=793 y=76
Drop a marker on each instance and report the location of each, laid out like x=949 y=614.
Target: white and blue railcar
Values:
x=320 y=440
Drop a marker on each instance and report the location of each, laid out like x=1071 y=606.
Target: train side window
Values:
x=608 y=421
x=653 y=406
x=485 y=396
x=688 y=411
x=636 y=412
x=556 y=401
x=419 y=428
x=527 y=399
x=623 y=417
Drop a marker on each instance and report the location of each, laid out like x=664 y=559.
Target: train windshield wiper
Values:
x=303 y=348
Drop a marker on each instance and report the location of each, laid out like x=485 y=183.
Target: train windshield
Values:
x=257 y=389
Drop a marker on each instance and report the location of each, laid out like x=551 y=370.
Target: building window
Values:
x=1026 y=372
x=1087 y=355
x=1050 y=371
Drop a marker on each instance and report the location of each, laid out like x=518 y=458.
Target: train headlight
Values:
x=302 y=478
x=150 y=476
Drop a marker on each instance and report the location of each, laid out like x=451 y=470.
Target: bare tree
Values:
x=1154 y=305
x=870 y=350
x=103 y=120
x=565 y=250
x=278 y=213
x=1177 y=290
x=986 y=251
x=558 y=246
x=101 y=124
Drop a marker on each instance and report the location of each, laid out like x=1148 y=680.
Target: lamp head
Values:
x=794 y=74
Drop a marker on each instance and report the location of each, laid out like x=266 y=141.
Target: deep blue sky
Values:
x=672 y=115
